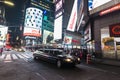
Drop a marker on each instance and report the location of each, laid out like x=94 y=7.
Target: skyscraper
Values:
x=45 y=22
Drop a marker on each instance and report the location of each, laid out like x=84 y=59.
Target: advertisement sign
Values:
x=33 y=18
x=87 y=34
x=109 y=10
x=73 y=18
x=92 y=4
x=47 y=37
x=58 y=28
x=114 y=30
x=67 y=39
x=58 y=8
x=3 y=33
x=32 y=32
x=33 y=22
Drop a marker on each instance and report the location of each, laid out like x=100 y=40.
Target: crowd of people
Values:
x=78 y=52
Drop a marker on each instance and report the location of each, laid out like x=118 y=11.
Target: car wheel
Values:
x=36 y=58
x=59 y=64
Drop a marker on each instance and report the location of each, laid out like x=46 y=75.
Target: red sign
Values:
x=115 y=30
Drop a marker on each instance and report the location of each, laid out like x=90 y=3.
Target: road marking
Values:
x=61 y=77
x=2 y=57
x=8 y=57
x=20 y=56
x=41 y=76
x=14 y=56
x=25 y=56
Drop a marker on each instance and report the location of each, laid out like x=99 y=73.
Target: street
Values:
x=21 y=66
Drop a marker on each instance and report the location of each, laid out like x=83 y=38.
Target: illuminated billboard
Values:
x=47 y=37
x=32 y=32
x=3 y=33
x=73 y=18
x=33 y=22
x=33 y=18
x=114 y=30
x=67 y=40
x=58 y=28
x=58 y=8
x=92 y=4
x=87 y=34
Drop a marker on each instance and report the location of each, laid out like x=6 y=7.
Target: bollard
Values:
x=88 y=59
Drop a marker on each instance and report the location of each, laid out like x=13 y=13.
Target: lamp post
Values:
x=2 y=10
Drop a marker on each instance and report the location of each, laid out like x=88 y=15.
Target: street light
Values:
x=8 y=3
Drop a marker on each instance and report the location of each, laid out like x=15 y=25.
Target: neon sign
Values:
x=114 y=8
x=115 y=30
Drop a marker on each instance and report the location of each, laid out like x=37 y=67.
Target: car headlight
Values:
x=68 y=60
x=78 y=59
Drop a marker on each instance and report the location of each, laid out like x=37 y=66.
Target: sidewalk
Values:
x=106 y=61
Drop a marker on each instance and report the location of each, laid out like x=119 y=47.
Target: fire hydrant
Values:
x=88 y=59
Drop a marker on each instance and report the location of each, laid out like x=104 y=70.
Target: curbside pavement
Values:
x=106 y=61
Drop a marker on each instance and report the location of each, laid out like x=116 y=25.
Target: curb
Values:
x=107 y=62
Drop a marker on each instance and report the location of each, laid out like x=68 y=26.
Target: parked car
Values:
x=56 y=56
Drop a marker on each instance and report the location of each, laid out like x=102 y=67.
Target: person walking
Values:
x=1 y=50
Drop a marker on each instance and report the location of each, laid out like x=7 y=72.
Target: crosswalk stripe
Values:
x=2 y=57
x=8 y=57
x=28 y=54
x=25 y=55
x=14 y=56
x=20 y=56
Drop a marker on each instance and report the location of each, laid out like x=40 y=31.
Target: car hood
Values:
x=67 y=56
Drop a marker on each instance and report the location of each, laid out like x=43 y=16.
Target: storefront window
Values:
x=110 y=44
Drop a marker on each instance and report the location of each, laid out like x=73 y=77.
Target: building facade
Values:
x=106 y=30
x=41 y=18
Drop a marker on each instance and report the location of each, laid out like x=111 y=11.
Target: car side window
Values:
x=51 y=53
x=57 y=53
x=46 y=51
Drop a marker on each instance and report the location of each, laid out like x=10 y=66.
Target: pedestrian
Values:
x=1 y=50
x=81 y=54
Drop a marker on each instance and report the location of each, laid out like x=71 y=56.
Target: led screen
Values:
x=58 y=28
x=47 y=37
x=73 y=18
x=32 y=32
x=33 y=20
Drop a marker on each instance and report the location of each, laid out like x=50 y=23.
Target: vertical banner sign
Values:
x=73 y=18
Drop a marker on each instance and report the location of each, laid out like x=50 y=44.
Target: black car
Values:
x=59 y=57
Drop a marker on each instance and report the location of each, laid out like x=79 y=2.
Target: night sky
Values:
x=14 y=14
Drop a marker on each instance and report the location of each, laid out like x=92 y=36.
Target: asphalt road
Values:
x=21 y=66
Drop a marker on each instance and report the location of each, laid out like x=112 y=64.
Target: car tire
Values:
x=59 y=64
x=36 y=58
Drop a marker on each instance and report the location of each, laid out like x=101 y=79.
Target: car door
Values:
x=52 y=58
x=45 y=55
